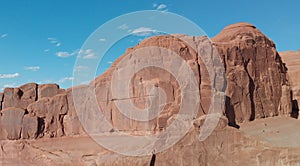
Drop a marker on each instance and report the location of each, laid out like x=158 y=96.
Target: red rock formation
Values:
x=36 y=110
x=51 y=112
x=20 y=97
x=292 y=60
x=256 y=76
x=256 y=88
x=49 y=90
x=144 y=79
x=11 y=123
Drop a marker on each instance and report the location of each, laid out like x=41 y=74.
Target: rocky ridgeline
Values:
x=257 y=87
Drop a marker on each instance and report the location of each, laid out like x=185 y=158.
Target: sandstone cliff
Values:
x=257 y=87
x=292 y=60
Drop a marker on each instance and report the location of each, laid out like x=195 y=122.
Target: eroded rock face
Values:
x=51 y=112
x=255 y=73
x=11 y=122
x=20 y=97
x=257 y=86
x=145 y=79
x=44 y=107
x=292 y=60
x=49 y=90
x=71 y=123
x=30 y=127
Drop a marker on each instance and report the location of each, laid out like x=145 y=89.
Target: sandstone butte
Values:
x=39 y=124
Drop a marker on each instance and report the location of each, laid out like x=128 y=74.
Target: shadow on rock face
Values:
x=295 y=109
x=230 y=114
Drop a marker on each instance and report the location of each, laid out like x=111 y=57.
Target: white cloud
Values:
x=102 y=40
x=143 y=31
x=32 y=68
x=87 y=54
x=54 y=41
x=3 y=35
x=161 y=7
x=9 y=75
x=84 y=54
x=65 y=79
x=64 y=54
x=46 y=50
x=109 y=62
x=123 y=27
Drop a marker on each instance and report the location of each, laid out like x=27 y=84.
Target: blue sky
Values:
x=39 y=40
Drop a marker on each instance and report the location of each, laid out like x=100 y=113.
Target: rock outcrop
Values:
x=20 y=97
x=144 y=79
x=45 y=125
x=32 y=111
x=257 y=86
x=11 y=123
x=292 y=61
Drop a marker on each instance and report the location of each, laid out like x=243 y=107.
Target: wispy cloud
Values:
x=143 y=31
x=161 y=7
x=102 y=40
x=87 y=54
x=54 y=41
x=2 y=76
x=65 y=54
x=65 y=79
x=109 y=62
x=46 y=50
x=32 y=68
x=84 y=54
x=123 y=27
x=3 y=35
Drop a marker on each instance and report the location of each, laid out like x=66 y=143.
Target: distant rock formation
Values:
x=257 y=87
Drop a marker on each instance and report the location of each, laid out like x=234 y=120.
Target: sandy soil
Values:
x=276 y=131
